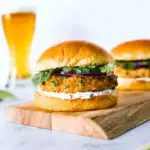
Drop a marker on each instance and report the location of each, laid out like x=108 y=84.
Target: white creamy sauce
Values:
x=72 y=96
x=133 y=79
x=145 y=79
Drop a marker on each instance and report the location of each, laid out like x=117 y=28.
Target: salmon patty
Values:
x=73 y=84
x=128 y=73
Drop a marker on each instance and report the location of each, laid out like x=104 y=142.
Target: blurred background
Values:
x=104 y=22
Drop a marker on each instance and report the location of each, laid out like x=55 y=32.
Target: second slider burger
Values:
x=132 y=67
x=75 y=76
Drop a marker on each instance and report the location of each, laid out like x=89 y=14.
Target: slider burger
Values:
x=132 y=65
x=74 y=76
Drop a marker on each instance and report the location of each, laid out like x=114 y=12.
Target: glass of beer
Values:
x=19 y=30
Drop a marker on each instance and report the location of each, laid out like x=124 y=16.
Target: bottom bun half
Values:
x=132 y=84
x=56 y=104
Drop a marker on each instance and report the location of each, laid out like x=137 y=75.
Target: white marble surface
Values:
x=19 y=137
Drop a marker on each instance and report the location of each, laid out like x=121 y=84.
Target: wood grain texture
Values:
x=133 y=109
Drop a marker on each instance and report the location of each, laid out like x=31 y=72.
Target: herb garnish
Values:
x=80 y=81
x=53 y=83
x=133 y=64
x=127 y=72
x=67 y=69
x=89 y=69
x=43 y=76
x=91 y=95
x=107 y=68
x=66 y=86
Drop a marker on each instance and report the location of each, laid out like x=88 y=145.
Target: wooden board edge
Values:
x=131 y=116
x=70 y=124
x=77 y=125
x=24 y=116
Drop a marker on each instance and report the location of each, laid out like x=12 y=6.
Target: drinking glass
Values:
x=19 y=29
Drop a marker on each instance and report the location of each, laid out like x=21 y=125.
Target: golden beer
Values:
x=19 y=29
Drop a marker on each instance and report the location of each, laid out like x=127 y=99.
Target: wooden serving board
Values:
x=133 y=109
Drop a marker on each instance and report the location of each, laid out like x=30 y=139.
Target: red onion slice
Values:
x=85 y=75
x=140 y=65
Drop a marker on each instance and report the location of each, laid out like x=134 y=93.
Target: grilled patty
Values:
x=73 y=84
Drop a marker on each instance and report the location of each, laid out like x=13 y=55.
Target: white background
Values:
x=104 y=22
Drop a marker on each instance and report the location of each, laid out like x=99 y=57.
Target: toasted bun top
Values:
x=71 y=54
x=132 y=50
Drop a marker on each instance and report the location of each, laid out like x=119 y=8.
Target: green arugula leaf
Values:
x=85 y=70
x=148 y=65
x=107 y=68
x=46 y=75
x=41 y=77
x=92 y=67
x=58 y=69
x=131 y=65
x=36 y=79
x=81 y=70
x=145 y=62
x=77 y=70
x=67 y=69
x=5 y=94
x=123 y=65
